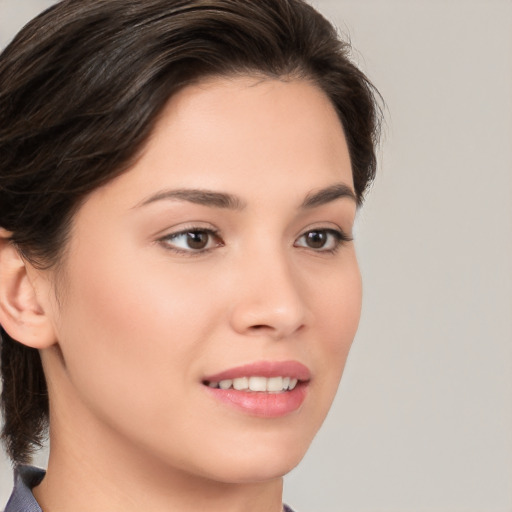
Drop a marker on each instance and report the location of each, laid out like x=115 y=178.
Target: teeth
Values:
x=225 y=384
x=261 y=384
x=257 y=384
x=275 y=384
x=241 y=383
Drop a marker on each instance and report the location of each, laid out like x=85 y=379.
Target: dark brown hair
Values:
x=81 y=87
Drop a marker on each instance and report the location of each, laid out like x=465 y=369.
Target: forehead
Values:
x=237 y=134
x=239 y=120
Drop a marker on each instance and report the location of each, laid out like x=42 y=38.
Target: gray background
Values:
x=423 y=421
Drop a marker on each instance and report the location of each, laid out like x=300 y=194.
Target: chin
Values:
x=258 y=461
x=251 y=471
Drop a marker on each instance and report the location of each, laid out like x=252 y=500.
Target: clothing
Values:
x=22 y=499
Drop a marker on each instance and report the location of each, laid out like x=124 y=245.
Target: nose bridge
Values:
x=269 y=298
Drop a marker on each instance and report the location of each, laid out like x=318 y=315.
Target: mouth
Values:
x=256 y=384
x=264 y=389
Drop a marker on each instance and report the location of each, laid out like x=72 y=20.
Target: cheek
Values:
x=130 y=334
x=337 y=304
x=346 y=311
x=338 y=307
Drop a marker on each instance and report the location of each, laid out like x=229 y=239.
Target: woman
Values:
x=179 y=288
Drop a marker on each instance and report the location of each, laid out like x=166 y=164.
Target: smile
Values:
x=258 y=384
x=266 y=389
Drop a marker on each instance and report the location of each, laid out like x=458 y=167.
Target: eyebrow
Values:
x=198 y=196
x=327 y=195
x=232 y=202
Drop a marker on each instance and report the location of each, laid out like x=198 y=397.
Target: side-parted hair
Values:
x=81 y=88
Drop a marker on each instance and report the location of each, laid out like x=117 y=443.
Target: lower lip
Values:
x=264 y=405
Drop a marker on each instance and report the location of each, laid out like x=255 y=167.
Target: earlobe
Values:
x=21 y=313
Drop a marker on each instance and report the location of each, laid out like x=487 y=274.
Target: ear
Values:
x=21 y=312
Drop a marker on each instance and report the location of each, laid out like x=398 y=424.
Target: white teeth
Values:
x=257 y=383
x=261 y=384
x=225 y=384
x=275 y=384
x=241 y=383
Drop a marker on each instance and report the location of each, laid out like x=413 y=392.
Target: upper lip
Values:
x=267 y=369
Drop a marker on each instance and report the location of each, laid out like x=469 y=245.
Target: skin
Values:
x=141 y=319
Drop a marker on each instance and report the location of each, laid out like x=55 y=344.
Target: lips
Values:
x=265 y=389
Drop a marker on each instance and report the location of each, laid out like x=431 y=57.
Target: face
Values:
x=211 y=293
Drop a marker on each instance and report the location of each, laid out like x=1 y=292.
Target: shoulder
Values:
x=22 y=499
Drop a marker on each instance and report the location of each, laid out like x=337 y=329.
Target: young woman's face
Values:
x=223 y=259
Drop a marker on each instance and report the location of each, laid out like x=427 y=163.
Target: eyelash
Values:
x=339 y=239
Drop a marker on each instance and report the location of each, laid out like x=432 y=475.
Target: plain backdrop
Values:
x=423 y=419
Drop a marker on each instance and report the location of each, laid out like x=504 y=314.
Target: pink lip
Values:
x=266 y=369
x=263 y=404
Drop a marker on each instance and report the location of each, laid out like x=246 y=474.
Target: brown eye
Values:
x=316 y=239
x=197 y=239
x=322 y=240
x=192 y=241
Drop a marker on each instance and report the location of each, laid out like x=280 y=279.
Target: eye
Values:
x=194 y=240
x=322 y=240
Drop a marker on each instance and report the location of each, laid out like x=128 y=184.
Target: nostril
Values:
x=261 y=328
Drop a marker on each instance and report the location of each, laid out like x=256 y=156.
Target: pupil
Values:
x=316 y=239
x=197 y=239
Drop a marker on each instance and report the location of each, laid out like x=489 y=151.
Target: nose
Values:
x=268 y=299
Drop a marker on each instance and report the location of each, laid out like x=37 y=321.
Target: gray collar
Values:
x=22 y=499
